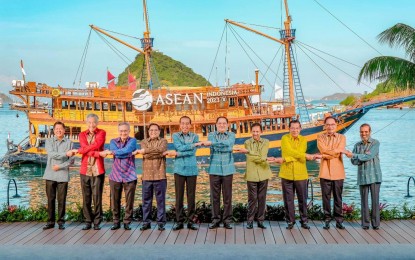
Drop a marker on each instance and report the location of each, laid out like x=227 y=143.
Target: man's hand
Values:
x=141 y=151
x=55 y=167
x=172 y=153
x=206 y=143
x=240 y=150
x=279 y=160
x=198 y=144
x=69 y=153
x=347 y=153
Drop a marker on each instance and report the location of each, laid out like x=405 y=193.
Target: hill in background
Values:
x=340 y=96
x=169 y=71
x=6 y=99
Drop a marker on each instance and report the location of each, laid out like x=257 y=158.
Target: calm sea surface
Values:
x=394 y=129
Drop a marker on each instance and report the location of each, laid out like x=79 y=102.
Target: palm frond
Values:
x=400 y=35
x=386 y=68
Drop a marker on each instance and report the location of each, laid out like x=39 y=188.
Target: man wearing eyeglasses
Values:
x=332 y=174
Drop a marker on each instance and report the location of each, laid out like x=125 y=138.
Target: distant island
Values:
x=340 y=96
x=5 y=98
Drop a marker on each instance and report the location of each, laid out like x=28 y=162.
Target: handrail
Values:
x=8 y=191
x=407 y=187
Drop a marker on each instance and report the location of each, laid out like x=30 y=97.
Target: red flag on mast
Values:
x=110 y=80
x=132 y=85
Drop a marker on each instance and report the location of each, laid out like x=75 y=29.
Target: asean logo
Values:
x=142 y=99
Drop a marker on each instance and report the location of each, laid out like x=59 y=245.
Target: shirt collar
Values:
x=259 y=141
x=292 y=138
x=183 y=134
x=118 y=139
x=95 y=131
x=57 y=140
x=370 y=140
x=225 y=133
x=157 y=138
x=334 y=134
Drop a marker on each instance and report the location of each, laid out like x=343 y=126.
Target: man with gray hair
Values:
x=92 y=171
x=123 y=175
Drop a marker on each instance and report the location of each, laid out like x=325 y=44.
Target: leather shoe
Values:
x=305 y=226
x=178 y=226
x=227 y=226
x=127 y=226
x=340 y=225
x=213 y=225
x=290 y=225
x=191 y=226
x=87 y=227
x=375 y=228
x=97 y=227
x=62 y=226
x=115 y=226
x=365 y=227
x=249 y=225
x=261 y=225
x=145 y=227
x=161 y=227
x=48 y=226
x=326 y=225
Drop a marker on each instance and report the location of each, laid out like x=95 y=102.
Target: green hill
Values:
x=169 y=71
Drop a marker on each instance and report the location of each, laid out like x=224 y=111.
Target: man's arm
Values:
x=94 y=146
x=291 y=154
x=69 y=161
x=328 y=152
x=225 y=145
x=155 y=152
x=130 y=147
x=54 y=154
x=368 y=155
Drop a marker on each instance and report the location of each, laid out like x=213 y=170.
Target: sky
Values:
x=50 y=37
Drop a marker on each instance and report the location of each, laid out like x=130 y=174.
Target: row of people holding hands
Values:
x=123 y=177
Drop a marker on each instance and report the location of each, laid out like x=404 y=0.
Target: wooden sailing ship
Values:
x=165 y=105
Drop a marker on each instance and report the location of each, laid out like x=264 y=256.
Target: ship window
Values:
x=64 y=104
x=81 y=105
x=113 y=107
x=119 y=106
x=129 y=106
x=178 y=107
x=240 y=102
x=234 y=128
x=241 y=128
x=72 y=105
x=96 y=106
x=88 y=105
x=104 y=106
x=204 y=130
x=246 y=127
x=232 y=102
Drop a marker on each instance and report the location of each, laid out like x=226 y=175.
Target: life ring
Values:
x=56 y=92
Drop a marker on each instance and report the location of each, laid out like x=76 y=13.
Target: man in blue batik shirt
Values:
x=185 y=172
x=123 y=175
x=221 y=172
x=369 y=175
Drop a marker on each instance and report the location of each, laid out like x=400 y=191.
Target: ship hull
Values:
x=34 y=156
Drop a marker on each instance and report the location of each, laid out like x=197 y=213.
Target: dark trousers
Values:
x=60 y=189
x=220 y=184
x=116 y=194
x=257 y=196
x=92 y=188
x=289 y=189
x=179 y=184
x=374 y=189
x=327 y=188
x=158 y=188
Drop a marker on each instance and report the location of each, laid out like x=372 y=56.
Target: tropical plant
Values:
x=397 y=70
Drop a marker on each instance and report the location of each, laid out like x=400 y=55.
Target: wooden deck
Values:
x=31 y=233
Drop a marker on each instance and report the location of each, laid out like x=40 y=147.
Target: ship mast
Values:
x=287 y=37
x=146 y=45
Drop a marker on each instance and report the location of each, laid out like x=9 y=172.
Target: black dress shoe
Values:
x=48 y=226
x=115 y=226
x=340 y=225
x=97 y=227
x=178 y=226
x=145 y=226
x=261 y=225
x=375 y=228
x=227 y=226
x=62 y=226
x=249 y=225
x=365 y=227
x=213 y=225
x=127 y=226
x=305 y=226
x=326 y=225
x=191 y=226
x=290 y=225
x=161 y=227
x=87 y=227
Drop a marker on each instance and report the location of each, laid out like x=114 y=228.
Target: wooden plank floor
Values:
x=31 y=233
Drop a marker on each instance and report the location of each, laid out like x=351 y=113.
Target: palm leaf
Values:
x=386 y=68
x=400 y=35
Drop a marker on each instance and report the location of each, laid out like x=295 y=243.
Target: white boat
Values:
x=1 y=102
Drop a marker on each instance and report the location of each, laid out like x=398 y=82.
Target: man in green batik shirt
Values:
x=369 y=176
